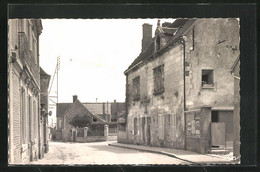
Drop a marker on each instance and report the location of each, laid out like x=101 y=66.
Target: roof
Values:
x=97 y=107
x=43 y=73
x=79 y=107
x=62 y=108
x=176 y=29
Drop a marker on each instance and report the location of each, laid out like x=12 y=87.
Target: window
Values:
x=158 y=79
x=136 y=88
x=94 y=119
x=207 y=78
x=161 y=126
x=214 y=116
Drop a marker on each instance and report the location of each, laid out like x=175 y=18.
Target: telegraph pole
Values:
x=58 y=67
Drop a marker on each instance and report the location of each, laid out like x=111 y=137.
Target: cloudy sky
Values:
x=94 y=53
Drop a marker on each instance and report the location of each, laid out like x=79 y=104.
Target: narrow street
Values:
x=100 y=153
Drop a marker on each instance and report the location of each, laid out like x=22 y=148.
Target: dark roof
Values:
x=97 y=107
x=62 y=108
x=179 y=26
x=178 y=23
x=43 y=73
x=169 y=31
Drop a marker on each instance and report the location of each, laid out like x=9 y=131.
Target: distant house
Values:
x=179 y=90
x=73 y=118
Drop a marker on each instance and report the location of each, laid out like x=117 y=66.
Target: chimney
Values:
x=166 y=24
x=103 y=108
x=147 y=36
x=75 y=97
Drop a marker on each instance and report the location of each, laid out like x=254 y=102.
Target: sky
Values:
x=94 y=53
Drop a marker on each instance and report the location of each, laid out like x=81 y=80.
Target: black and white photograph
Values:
x=124 y=91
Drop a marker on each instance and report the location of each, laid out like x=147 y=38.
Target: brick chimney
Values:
x=147 y=36
x=75 y=97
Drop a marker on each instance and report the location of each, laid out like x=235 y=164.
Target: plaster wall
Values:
x=150 y=105
x=213 y=44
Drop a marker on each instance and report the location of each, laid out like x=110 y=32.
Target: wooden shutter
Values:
x=161 y=126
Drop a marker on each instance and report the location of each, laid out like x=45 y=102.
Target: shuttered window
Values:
x=135 y=126
x=161 y=126
x=173 y=126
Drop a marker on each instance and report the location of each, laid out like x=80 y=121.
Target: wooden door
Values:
x=218 y=133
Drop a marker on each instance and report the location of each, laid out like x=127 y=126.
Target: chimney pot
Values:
x=147 y=36
x=75 y=97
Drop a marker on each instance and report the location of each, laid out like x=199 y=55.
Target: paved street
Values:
x=100 y=153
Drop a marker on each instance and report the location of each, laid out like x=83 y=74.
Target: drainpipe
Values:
x=182 y=41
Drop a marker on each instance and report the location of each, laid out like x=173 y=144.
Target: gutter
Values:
x=132 y=67
x=182 y=41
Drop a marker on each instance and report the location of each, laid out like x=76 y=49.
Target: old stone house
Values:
x=179 y=90
x=25 y=142
x=96 y=114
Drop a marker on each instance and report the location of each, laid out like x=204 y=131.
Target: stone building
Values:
x=179 y=90
x=105 y=113
x=24 y=137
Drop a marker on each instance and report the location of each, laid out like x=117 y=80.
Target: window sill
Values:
x=208 y=87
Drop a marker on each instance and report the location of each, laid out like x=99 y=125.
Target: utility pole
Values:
x=58 y=67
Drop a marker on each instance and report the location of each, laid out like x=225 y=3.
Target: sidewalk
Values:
x=184 y=155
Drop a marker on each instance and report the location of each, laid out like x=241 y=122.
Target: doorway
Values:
x=218 y=131
x=148 y=130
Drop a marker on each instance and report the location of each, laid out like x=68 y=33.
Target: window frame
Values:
x=158 y=80
x=210 y=84
x=136 y=88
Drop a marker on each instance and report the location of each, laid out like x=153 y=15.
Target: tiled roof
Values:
x=62 y=108
x=43 y=73
x=169 y=31
x=179 y=26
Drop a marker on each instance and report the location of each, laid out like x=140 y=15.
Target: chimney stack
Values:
x=75 y=97
x=147 y=36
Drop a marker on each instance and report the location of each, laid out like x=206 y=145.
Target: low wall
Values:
x=58 y=135
x=121 y=136
x=90 y=139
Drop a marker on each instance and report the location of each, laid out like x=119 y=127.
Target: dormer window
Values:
x=158 y=43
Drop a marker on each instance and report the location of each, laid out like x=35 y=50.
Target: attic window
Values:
x=207 y=78
x=158 y=42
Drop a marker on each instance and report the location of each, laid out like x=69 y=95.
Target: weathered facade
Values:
x=178 y=80
x=24 y=141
